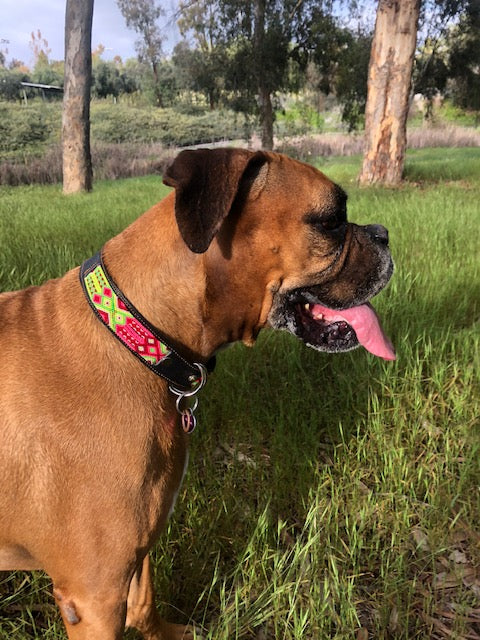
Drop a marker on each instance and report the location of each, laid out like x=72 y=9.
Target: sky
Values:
x=18 y=18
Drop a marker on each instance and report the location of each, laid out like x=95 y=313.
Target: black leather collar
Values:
x=134 y=331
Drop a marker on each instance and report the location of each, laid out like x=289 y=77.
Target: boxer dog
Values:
x=100 y=368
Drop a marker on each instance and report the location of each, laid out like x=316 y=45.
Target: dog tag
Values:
x=189 y=422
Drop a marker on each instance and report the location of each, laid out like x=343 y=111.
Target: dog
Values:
x=101 y=368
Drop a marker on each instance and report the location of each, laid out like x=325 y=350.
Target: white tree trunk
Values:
x=389 y=81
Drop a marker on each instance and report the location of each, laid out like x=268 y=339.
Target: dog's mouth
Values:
x=343 y=330
x=334 y=330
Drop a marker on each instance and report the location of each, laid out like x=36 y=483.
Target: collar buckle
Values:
x=187 y=402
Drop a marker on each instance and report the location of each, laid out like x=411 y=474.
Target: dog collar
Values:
x=141 y=338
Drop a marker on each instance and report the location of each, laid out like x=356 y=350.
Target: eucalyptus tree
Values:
x=389 y=81
x=390 y=73
x=142 y=16
x=464 y=58
x=77 y=162
x=248 y=47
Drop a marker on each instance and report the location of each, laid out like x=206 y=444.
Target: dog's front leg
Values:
x=141 y=611
x=93 y=613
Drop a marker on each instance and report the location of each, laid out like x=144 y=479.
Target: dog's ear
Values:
x=206 y=183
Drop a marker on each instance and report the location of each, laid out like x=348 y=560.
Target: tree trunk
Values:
x=156 y=82
x=266 y=118
x=389 y=80
x=77 y=162
x=264 y=93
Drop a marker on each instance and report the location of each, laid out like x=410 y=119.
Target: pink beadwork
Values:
x=116 y=316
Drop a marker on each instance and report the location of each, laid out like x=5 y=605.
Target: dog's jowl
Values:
x=101 y=368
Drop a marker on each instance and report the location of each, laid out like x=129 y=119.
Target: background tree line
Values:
x=243 y=55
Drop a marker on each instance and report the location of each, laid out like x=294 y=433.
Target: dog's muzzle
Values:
x=320 y=317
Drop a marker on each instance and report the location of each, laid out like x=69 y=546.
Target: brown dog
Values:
x=92 y=447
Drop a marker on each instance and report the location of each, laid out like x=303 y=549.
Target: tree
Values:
x=341 y=57
x=10 y=80
x=389 y=80
x=262 y=77
x=444 y=24
x=40 y=49
x=106 y=79
x=254 y=39
x=201 y=68
x=77 y=162
x=464 y=59
x=142 y=16
x=430 y=73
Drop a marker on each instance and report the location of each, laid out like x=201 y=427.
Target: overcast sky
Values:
x=18 y=18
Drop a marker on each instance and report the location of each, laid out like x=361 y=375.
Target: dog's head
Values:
x=281 y=251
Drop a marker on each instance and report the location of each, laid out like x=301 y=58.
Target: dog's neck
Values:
x=162 y=284
x=175 y=288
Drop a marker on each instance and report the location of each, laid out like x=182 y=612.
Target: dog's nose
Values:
x=378 y=233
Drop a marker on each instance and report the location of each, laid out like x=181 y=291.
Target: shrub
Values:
x=22 y=128
x=110 y=162
x=10 y=86
x=119 y=123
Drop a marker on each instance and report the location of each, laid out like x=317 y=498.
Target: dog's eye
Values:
x=334 y=221
x=329 y=222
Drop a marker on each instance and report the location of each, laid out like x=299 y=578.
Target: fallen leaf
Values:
x=362 y=634
x=420 y=539
x=393 y=621
x=458 y=557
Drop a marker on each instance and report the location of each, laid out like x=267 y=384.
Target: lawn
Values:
x=328 y=496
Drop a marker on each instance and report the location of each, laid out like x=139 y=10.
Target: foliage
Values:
x=299 y=118
x=228 y=65
x=21 y=129
x=107 y=80
x=253 y=40
x=29 y=131
x=350 y=81
x=464 y=60
x=10 y=83
x=201 y=71
x=449 y=60
x=430 y=73
x=130 y=139
x=142 y=16
x=170 y=127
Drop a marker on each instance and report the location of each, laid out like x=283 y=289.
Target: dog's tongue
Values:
x=366 y=324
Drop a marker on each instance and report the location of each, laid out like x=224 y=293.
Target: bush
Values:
x=10 y=86
x=132 y=140
x=299 y=119
x=110 y=162
x=21 y=128
x=119 y=123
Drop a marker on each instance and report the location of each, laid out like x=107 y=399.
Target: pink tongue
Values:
x=366 y=325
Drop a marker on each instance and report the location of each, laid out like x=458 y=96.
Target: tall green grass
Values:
x=327 y=496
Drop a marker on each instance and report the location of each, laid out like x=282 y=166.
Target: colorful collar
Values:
x=141 y=338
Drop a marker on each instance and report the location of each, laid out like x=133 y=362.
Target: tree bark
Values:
x=266 y=118
x=77 y=162
x=389 y=81
x=157 y=89
x=264 y=93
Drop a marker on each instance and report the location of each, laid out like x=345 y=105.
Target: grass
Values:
x=328 y=497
